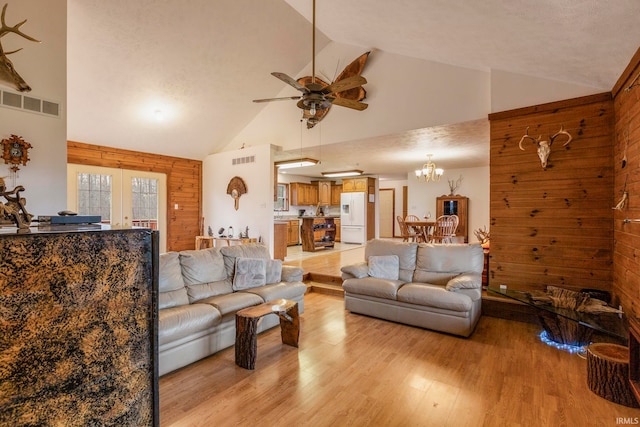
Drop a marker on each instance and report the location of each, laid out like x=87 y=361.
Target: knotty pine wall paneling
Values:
x=626 y=242
x=553 y=226
x=184 y=185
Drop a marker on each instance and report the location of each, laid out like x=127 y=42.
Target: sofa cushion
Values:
x=274 y=271
x=202 y=266
x=447 y=258
x=292 y=274
x=249 y=250
x=205 y=290
x=358 y=270
x=178 y=322
x=465 y=281
x=434 y=296
x=372 y=286
x=171 y=290
x=406 y=252
x=249 y=273
x=293 y=290
x=230 y=303
x=384 y=266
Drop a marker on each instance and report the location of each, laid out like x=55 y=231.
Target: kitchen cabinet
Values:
x=324 y=192
x=336 y=191
x=302 y=194
x=280 y=239
x=455 y=205
x=317 y=233
x=293 y=232
x=350 y=185
x=337 y=223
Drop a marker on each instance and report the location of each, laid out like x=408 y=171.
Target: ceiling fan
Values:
x=317 y=97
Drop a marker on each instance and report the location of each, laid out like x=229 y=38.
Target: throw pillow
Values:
x=358 y=270
x=249 y=273
x=274 y=271
x=465 y=281
x=384 y=267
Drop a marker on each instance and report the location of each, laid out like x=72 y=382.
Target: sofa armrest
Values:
x=465 y=281
x=358 y=271
x=291 y=273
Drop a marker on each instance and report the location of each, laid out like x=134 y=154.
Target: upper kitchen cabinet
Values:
x=351 y=185
x=301 y=194
x=336 y=191
x=324 y=192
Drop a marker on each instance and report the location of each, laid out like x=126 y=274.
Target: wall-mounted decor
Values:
x=235 y=189
x=544 y=147
x=15 y=151
x=8 y=74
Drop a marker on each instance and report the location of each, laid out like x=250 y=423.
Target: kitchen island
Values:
x=318 y=232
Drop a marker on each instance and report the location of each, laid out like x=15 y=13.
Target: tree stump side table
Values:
x=608 y=373
x=247 y=328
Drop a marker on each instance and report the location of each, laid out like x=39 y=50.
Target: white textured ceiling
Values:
x=202 y=62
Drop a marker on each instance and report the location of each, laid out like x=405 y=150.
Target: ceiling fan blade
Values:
x=346 y=84
x=288 y=80
x=286 y=98
x=349 y=103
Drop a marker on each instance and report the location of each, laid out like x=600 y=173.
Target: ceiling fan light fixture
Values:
x=296 y=163
x=354 y=172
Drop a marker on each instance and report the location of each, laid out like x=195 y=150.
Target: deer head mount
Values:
x=8 y=75
x=544 y=147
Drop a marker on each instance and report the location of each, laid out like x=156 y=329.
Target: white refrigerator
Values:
x=353 y=218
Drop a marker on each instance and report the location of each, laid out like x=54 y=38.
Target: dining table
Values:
x=422 y=229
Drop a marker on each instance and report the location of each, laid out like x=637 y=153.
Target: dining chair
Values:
x=444 y=230
x=419 y=232
x=407 y=235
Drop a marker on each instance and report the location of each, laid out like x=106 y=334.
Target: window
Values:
x=282 y=198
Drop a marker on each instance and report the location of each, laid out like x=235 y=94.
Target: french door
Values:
x=123 y=198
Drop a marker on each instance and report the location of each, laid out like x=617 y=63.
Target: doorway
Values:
x=387 y=212
x=123 y=198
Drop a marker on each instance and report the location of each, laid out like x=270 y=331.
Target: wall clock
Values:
x=15 y=151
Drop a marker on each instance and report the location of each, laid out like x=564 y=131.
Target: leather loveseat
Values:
x=433 y=286
x=201 y=290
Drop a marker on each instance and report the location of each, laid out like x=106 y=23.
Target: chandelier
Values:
x=429 y=171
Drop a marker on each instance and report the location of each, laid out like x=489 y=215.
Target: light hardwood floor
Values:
x=356 y=370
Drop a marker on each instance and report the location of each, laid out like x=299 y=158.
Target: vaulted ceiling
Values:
x=177 y=77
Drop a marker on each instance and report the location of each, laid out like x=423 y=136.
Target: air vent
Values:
x=31 y=104
x=243 y=160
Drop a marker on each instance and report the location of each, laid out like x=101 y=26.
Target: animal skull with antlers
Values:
x=8 y=74
x=544 y=147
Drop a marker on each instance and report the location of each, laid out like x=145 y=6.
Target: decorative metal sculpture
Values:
x=235 y=189
x=8 y=75
x=14 y=209
x=544 y=147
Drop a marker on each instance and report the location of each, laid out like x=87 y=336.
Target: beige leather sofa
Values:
x=433 y=286
x=200 y=291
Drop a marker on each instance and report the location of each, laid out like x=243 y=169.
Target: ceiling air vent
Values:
x=243 y=160
x=29 y=103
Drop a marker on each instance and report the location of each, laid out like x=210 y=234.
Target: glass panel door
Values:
x=123 y=198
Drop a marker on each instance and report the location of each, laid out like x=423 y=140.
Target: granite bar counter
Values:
x=78 y=320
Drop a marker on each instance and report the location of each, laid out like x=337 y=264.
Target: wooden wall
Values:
x=553 y=226
x=184 y=185
x=626 y=245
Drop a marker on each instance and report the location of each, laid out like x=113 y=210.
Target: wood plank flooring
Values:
x=356 y=370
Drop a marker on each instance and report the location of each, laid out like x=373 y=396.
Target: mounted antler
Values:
x=544 y=147
x=8 y=74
